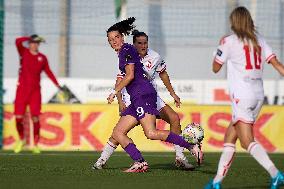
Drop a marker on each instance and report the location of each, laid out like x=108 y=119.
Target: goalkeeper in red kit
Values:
x=32 y=63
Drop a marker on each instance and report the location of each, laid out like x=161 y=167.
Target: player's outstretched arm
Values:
x=166 y=80
x=277 y=65
x=19 y=44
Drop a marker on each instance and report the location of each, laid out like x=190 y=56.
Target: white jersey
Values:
x=244 y=66
x=153 y=64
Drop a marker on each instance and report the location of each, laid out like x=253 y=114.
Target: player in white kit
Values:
x=245 y=54
x=153 y=65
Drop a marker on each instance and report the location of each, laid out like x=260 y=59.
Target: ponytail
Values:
x=124 y=27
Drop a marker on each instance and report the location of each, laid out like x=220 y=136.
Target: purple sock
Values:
x=133 y=152
x=178 y=140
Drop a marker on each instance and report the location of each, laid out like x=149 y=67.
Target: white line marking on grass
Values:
x=95 y=154
x=82 y=154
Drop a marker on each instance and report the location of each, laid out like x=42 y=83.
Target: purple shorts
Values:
x=141 y=105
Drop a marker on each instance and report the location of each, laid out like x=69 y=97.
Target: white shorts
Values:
x=160 y=103
x=245 y=110
x=126 y=100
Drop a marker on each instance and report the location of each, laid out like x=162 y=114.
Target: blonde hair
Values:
x=243 y=26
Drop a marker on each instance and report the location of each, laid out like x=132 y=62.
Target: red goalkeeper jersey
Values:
x=31 y=66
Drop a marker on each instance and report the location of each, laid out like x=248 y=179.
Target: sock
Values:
x=133 y=152
x=258 y=152
x=225 y=161
x=20 y=127
x=178 y=140
x=36 y=132
x=108 y=151
x=179 y=151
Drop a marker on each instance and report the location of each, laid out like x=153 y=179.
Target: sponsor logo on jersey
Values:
x=219 y=52
x=39 y=58
x=149 y=64
x=128 y=57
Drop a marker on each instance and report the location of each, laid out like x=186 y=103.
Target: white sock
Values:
x=108 y=151
x=179 y=152
x=259 y=153
x=225 y=161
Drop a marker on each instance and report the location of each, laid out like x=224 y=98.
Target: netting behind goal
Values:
x=184 y=32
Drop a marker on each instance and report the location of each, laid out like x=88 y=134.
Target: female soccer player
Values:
x=244 y=52
x=32 y=63
x=143 y=107
x=153 y=64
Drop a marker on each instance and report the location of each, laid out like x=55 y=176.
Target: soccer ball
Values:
x=193 y=133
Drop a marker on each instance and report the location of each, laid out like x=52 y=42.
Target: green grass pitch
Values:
x=67 y=170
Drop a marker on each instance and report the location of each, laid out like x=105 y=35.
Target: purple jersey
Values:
x=140 y=85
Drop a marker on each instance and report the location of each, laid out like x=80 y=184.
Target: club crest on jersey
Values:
x=149 y=64
x=39 y=59
x=128 y=57
x=219 y=52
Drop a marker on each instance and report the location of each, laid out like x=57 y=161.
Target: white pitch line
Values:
x=80 y=154
x=95 y=155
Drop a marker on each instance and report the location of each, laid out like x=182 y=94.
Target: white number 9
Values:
x=140 y=111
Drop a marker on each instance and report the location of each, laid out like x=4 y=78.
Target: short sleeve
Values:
x=127 y=56
x=267 y=50
x=161 y=65
x=221 y=55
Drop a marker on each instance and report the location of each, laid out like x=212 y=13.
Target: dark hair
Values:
x=123 y=27
x=34 y=38
x=137 y=33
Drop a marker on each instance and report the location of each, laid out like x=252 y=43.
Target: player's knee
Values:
x=19 y=116
x=35 y=118
x=174 y=118
x=245 y=144
x=116 y=134
x=112 y=140
x=151 y=134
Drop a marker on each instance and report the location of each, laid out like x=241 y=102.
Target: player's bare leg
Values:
x=36 y=131
x=170 y=116
x=227 y=155
x=20 y=129
x=245 y=134
x=120 y=131
x=149 y=127
x=108 y=150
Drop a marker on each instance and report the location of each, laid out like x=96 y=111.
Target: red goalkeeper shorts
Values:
x=27 y=97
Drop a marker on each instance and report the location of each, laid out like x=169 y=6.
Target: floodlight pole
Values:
x=2 y=22
x=64 y=40
x=123 y=14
